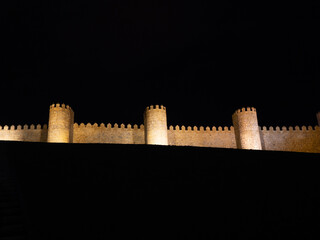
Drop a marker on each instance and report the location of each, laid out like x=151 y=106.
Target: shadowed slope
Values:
x=100 y=191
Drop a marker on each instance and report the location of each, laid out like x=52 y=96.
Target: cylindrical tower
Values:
x=61 y=118
x=246 y=129
x=155 y=125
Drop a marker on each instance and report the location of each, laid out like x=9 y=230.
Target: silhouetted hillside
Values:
x=105 y=191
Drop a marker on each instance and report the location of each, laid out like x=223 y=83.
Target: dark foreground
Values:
x=92 y=191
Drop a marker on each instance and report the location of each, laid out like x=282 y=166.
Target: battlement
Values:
x=155 y=107
x=60 y=106
x=290 y=128
x=247 y=109
x=244 y=134
x=27 y=133
x=109 y=126
x=201 y=128
x=24 y=127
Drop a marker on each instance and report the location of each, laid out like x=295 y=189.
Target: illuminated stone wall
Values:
x=202 y=137
x=60 y=127
x=246 y=129
x=178 y=136
x=155 y=122
x=87 y=133
x=298 y=139
x=26 y=133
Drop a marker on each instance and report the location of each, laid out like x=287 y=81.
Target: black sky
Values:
x=203 y=59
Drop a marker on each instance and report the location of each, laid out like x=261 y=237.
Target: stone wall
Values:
x=298 y=139
x=87 y=133
x=26 y=133
x=202 y=137
x=108 y=134
x=61 y=118
x=155 y=123
x=246 y=129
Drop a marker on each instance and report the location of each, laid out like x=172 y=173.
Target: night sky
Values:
x=202 y=59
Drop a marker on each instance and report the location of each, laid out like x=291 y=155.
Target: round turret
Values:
x=246 y=129
x=155 y=125
x=60 y=127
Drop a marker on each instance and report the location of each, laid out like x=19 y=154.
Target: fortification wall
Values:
x=61 y=118
x=202 y=137
x=245 y=133
x=298 y=139
x=155 y=123
x=178 y=136
x=246 y=128
x=88 y=133
x=25 y=133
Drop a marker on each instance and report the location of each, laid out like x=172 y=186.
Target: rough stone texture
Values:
x=200 y=137
x=107 y=134
x=25 y=133
x=60 y=124
x=246 y=128
x=298 y=139
x=155 y=122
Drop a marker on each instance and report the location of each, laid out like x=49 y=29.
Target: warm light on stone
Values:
x=245 y=134
x=246 y=129
x=155 y=124
x=60 y=127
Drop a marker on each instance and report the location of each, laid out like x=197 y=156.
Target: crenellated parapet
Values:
x=201 y=136
x=108 y=133
x=201 y=128
x=62 y=106
x=244 y=134
x=109 y=126
x=290 y=129
x=247 y=109
x=155 y=107
x=24 y=127
x=28 y=133
x=297 y=139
